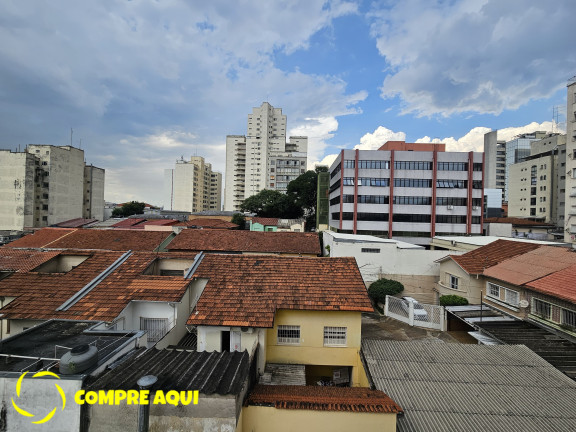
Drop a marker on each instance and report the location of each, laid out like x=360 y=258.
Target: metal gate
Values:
x=419 y=314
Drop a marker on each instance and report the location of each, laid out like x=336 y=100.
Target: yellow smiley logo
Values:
x=26 y=413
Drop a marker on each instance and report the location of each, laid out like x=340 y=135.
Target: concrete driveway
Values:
x=375 y=326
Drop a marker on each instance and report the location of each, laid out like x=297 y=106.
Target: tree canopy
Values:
x=239 y=219
x=129 y=209
x=299 y=200
x=271 y=203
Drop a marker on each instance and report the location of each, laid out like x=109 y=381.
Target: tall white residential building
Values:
x=45 y=185
x=570 y=210
x=495 y=162
x=262 y=159
x=192 y=186
x=537 y=186
x=407 y=191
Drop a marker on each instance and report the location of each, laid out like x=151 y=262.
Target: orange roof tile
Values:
x=317 y=398
x=532 y=265
x=265 y=221
x=209 y=223
x=40 y=238
x=38 y=295
x=129 y=222
x=559 y=284
x=110 y=239
x=476 y=261
x=23 y=260
x=246 y=241
x=246 y=290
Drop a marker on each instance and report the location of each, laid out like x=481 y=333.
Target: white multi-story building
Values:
x=537 y=186
x=262 y=159
x=192 y=186
x=570 y=209
x=494 y=162
x=45 y=185
x=407 y=191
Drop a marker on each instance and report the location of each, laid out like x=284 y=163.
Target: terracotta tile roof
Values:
x=38 y=295
x=516 y=221
x=559 y=284
x=40 y=238
x=317 y=398
x=129 y=222
x=110 y=239
x=265 y=221
x=23 y=260
x=532 y=265
x=209 y=223
x=246 y=241
x=476 y=261
x=246 y=290
x=76 y=223
x=160 y=222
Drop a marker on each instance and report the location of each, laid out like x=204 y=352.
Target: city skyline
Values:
x=142 y=84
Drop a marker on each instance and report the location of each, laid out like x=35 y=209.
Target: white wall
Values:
x=390 y=259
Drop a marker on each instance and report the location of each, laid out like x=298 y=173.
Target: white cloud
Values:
x=373 y=141
x=474 y=139
x=481 y=56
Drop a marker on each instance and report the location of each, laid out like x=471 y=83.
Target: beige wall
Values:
x=311 y=349
x=16 y=190
x=418 y=286
x=469 y=286
x=267 y=419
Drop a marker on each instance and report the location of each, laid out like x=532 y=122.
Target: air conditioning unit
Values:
x=450 y=207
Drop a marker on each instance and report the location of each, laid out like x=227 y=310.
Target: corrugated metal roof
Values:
x=223 y=373
x=454 y=387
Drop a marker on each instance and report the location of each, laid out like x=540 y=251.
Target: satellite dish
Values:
x=524 y=303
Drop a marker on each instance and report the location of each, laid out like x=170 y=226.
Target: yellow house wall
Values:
x=265 y=419
x=311 y=349
x=468 y=285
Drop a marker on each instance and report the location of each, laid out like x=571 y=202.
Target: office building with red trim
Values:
x=407 y=191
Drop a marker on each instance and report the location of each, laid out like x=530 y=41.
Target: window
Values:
x=541 y=308
x=453 y=282
x=288 y=334
x=493 y=290
x=370 y=250
x=334 y=336
x=156 y=327
x=511 y=297
x=412 y=165
x=569 y=318
x=373 y=164
x=452 y=166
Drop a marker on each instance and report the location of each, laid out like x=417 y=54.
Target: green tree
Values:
x=129 y=209
x=379 y=289
x=453 y=300
x=271 y=203
x=239 y=219
x=304 y=190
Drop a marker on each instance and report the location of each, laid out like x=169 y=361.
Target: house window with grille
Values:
x=288 y=334
x=541 y=309
x=511 y=297
x=334 y=336
x=569 y=318
x=453 y=282
x=156 y=328
x=493 y=290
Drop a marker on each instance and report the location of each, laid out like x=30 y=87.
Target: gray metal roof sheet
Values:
x=208 y=372
x=456 y=387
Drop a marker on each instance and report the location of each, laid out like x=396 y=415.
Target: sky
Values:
x=139 y=84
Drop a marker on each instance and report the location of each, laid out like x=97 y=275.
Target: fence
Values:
x=415 y=314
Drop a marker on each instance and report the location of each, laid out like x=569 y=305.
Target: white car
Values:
x=419 y=311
